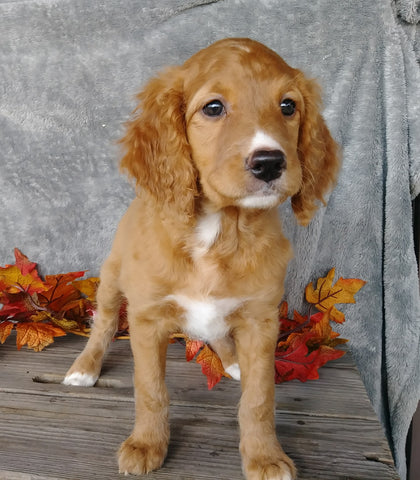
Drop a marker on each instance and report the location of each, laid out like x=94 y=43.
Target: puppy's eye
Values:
x=215 y=108
x=288 y=107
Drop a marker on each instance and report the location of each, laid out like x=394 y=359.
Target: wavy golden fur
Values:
x=215 y=146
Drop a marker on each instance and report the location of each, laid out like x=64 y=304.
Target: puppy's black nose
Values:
x=267 y=165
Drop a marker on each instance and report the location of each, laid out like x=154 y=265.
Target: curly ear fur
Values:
x=157 y=153
x=318 y=154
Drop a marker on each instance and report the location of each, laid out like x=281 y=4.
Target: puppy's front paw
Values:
x=280 y=468
x=80 y=379
x=138 y=457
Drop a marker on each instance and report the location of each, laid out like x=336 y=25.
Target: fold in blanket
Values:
x=68 y=73
x=408 y=10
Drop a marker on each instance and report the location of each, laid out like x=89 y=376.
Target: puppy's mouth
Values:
x=262 y=184
x=257 y=194
x=267 y=196
x=266 y=167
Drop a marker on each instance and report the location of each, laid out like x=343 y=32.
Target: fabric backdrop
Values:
x=69 y=70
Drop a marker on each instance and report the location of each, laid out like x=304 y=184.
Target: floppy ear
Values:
x=318 y=154
x=157 y=153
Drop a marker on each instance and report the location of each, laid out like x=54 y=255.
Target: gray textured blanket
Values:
x=68 y=73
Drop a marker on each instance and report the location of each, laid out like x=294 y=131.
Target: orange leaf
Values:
x=60 y=293
x=283 y=309
x=211 y=366
x=5 y=330
x=323 y=334
x=326 y=295
x=36 y=335
x=123 y=326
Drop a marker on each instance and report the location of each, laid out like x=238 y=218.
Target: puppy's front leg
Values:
x=262 y=456
x=145 y=449
x=87 y=366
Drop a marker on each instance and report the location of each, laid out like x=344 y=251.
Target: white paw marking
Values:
x=259 y=201
x=80 y=380
x=234 y=371
x=262 y=141
x=205 y=320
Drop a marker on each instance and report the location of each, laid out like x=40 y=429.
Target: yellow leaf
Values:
x=13 y=281
x=88 y=287
x=64 y=323
x=40 y=316
x=326 y=295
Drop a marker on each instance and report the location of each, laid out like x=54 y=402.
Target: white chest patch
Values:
x=205 y=320
x=207 y=230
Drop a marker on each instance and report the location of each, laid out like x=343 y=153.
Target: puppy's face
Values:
x=236 y=125
x=243 y=113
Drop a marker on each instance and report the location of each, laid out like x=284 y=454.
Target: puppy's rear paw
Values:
x=138 y=457
x=234 y=371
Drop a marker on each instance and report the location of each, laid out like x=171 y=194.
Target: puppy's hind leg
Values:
x=86 y=368
x=225 y=349
x=262 y=454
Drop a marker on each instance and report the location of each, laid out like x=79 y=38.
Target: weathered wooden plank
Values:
x=56 y=432
x=71 y=438
x=185 y=381
x=5 y=475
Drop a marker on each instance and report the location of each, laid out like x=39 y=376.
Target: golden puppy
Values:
x=215 y=145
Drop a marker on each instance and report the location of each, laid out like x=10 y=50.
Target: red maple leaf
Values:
x=297 y=363
x=22 y=262
x=192 y=347
x=305 y=344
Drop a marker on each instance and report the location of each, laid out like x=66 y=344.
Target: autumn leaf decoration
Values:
x=211 y=365
x=308 y=342
x=305 y=343
x=42 y=309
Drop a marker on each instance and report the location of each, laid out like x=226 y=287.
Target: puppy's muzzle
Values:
x=266 y=165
